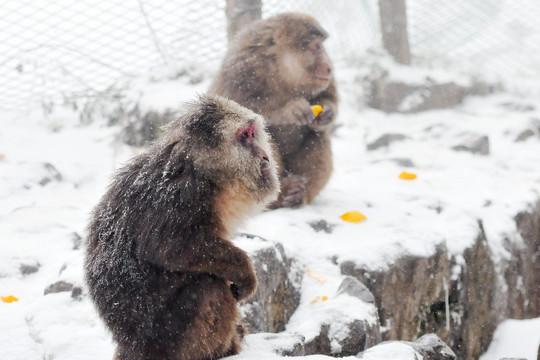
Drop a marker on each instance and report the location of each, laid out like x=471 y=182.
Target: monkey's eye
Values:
x=245 y=135
x=315 y=44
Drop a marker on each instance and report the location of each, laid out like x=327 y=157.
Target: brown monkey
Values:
x=278 y=68
x=159 y=267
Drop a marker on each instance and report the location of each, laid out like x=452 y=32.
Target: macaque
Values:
x=159 y=265
x=279 y=68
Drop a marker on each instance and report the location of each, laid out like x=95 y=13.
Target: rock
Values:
x=385 y=141
x=394 y=96
x=406 y=292
x=353 y=287
x=52 y=174
x=322 y=225
x=76 y=293
x=475 y=145
x=342 y=332
x=27 y=269
x=518 y=107
x=320 y=344
x=76 y=240
x=59 y=286
x=524 y=135
x=428 y=347
x=533 y=130
x=143 y=128
x=431 y=347
x=403 y=162
x=278 y=293
x=410 y=294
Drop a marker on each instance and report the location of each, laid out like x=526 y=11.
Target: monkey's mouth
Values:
x=321 y=79
x=265 y=169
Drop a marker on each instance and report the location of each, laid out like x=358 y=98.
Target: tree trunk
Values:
x=240 y=13
x=393 y=15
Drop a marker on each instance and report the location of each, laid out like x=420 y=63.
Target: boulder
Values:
x=348 y=322
x=413 y=300
x=385 y=141
x=59 y=286
x=474 y=144
x=278 y=293
x=395 y=96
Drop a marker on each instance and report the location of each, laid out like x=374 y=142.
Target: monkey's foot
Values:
x=293 y=191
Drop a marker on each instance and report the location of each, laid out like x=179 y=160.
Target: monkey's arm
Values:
x=214 y=256
x=296 y=112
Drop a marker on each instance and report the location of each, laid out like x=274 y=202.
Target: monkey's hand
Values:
x=296 y=112
x=245 y=287
x=324 y=121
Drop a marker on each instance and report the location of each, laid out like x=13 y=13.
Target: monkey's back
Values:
x=145 y=306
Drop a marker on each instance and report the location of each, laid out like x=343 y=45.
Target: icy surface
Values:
x=443 y=205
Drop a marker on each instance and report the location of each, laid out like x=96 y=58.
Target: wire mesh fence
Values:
x=51 y=52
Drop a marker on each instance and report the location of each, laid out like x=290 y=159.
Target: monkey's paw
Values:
x=245 y=288
x=325 y=118
x=299 y=112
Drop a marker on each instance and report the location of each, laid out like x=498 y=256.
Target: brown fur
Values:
x=159 y=266
x=278 y=67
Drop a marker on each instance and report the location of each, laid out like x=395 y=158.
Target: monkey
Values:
x=159 y=265
x=278 y=67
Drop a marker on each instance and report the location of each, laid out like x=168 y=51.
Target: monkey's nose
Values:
x=328 y=70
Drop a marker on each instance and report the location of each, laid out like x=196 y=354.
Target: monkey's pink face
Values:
x=244 y=155
x=318 y=64
x=246 y=136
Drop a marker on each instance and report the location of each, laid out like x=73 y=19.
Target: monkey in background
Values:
x=159 y=266
x=278 y=68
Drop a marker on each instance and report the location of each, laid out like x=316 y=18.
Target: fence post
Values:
x=240 y=13
x=393 y=14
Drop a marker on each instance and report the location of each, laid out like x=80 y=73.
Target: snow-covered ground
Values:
x=54 y=170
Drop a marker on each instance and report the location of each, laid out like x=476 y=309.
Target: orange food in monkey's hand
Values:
x=9 y=299
x=353 y=216
x=317 y=109
x=407 y=176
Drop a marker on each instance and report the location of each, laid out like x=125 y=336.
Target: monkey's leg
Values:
x=293 y=189
x=208 y=309
x=313 y=161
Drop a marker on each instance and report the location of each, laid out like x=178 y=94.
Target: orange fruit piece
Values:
x=9 y=299
x=317 y=109
x=318 y=298
x=353 y=216
x=407 y=176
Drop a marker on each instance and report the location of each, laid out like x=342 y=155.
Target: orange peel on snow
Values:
x=353 y=216
x=315 y=275
x=319 y=298
x=9 y=299
x=407 y=176
x=317 y=109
